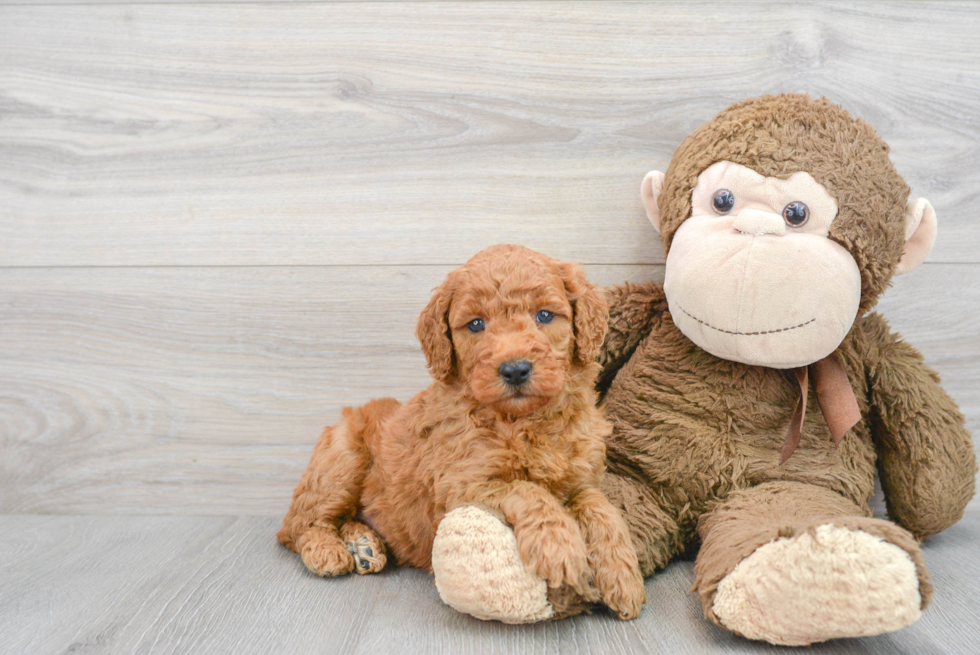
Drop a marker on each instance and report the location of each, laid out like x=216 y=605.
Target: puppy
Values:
x=509 y=423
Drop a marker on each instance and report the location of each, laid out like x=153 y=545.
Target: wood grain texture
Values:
x=223 y=585
x=202 y=390
x=363 y=133
x=219 y=221
x=195 y=390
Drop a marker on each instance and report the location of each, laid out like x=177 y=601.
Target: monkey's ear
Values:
x=433 y=333
x=920 y=234
x=589 y=309
x=650 y=191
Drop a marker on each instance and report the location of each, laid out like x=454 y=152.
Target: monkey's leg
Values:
x=490 y=570
x=793 y=564
x=479 y=571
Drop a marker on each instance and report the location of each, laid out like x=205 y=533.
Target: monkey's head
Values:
x=782 y=219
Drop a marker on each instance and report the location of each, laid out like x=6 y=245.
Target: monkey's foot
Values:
x=365 y=546
x=825 y=583
x=479 y=570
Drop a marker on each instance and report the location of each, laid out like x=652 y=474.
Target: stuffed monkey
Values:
x=753 y=395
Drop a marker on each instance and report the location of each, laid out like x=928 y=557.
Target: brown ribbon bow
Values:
x=834 y=395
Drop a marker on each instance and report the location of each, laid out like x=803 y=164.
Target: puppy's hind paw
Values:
x=365 y=547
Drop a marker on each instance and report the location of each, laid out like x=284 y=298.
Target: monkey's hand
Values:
x=928 y=465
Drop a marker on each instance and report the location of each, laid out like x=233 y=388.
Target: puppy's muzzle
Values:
x=515 y=372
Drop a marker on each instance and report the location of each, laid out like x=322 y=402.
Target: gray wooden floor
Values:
x=218 y=222
x=166 y=584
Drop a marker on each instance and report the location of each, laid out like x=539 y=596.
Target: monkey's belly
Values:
x=707 y=426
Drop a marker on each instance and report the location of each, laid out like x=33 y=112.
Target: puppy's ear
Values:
x=590 y=312
x=433 y=333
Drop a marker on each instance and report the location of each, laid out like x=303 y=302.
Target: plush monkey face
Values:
x=779 y=290
x=768 y=266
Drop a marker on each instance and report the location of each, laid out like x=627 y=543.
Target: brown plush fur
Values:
x=696 y=439
x=535 y=455
x=750 y=518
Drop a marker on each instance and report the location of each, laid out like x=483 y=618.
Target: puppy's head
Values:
x=512 y=326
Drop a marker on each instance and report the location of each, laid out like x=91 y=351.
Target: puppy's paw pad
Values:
x=368 y=557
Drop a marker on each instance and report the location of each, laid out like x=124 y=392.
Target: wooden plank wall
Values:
x=218 y=221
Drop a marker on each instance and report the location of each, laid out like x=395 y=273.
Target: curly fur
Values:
x=535 y=455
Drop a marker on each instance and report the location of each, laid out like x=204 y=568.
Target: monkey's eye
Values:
x=476 y=325
x=723 y=201
x=796 y=214
x=544 y=316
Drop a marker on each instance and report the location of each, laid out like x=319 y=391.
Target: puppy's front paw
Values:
x=556 y=551
x=325 y=554
x=618 y=577
x=621 y=588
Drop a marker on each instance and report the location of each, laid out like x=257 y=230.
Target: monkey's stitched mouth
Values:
x=744 y=334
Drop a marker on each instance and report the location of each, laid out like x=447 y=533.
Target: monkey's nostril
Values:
x=515 y=372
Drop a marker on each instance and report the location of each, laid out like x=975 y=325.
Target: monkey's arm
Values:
x=926 y=460
x=632 y=309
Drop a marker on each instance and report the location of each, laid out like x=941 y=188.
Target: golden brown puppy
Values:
x=510 y=424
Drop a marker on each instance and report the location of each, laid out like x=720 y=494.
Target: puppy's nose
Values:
x=515 y=372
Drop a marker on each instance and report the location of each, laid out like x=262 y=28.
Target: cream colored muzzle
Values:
x=755 y=222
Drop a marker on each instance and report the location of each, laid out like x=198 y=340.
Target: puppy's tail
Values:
x=364 y=423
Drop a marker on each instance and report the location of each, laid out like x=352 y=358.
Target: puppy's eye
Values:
x=723 y=201
x=796 y=214
x=544 y=316
x=476 y=325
